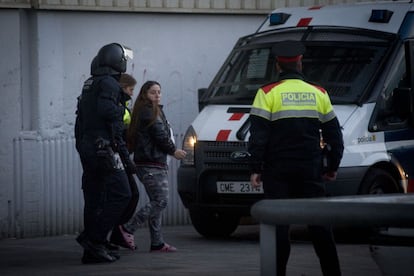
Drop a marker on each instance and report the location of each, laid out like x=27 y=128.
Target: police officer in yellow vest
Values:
x=287 y=119
x=127 y=83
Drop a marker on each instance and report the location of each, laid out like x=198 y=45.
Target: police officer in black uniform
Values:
x=103 y=153
x=289 y=118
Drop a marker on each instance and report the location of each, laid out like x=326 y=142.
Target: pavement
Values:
x=239 y=255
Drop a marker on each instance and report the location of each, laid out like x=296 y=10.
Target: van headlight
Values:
x=190 y=138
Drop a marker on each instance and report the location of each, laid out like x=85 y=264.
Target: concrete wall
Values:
x=11 y=102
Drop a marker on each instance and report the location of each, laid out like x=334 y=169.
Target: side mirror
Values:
x=407 y=94
x=403 y=103
x=409 y=61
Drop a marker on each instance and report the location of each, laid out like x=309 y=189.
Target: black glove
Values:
x=130 y=167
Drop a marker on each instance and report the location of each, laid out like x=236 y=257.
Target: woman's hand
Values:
x=255 y=180
x=329 y=176
x=179 y=154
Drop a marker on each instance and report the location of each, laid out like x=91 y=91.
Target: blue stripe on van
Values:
x=399 y=135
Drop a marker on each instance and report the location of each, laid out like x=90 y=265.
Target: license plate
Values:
x=237 y=187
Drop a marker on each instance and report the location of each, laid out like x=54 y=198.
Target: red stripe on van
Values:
x=236 y=116
x=303 y=22
x=410 y=186
x=315 y=8
x=223 y=135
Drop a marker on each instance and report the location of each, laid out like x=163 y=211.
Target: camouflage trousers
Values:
x=155 y=182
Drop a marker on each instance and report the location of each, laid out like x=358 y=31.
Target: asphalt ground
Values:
x=239 y=255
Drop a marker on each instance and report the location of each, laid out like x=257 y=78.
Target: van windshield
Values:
x=344 y=64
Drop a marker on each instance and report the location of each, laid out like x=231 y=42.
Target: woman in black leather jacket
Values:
x=149 y=138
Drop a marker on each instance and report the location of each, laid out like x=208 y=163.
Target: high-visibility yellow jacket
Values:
x=292 y=98
x=286 y=119
x=127 y=117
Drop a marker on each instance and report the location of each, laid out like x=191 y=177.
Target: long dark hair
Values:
x=141 y=101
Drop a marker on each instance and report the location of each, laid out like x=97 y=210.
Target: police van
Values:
x=363 y=54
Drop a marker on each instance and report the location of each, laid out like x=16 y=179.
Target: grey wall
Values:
x=45 y=59
x=10 y=113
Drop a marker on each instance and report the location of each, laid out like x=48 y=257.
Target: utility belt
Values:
x=107 y=158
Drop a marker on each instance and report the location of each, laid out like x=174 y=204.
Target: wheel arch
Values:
x=394 y=168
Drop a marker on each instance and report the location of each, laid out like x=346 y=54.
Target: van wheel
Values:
x=378 y=181
x=214 y=224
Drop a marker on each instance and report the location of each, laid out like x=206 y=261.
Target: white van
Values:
x=363 y=54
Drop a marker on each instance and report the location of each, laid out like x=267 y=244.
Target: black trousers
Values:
x=305 y=183
x=133 y=202
x=106 y=197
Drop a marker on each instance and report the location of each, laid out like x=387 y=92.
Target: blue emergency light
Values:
x=380 y=16
x=278 y=18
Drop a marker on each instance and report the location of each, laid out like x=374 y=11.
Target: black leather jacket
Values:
x=153 y=141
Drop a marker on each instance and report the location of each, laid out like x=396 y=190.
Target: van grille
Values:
x=216 y=155
x=213 y=163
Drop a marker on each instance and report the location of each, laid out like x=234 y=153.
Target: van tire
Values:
x=378 y=181
x=213 y=224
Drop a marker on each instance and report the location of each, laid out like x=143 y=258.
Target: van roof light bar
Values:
x=380 y=16
x=278 y=18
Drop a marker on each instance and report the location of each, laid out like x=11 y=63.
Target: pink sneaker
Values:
x=165 y=248
x=127 y=238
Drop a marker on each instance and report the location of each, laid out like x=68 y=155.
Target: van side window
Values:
x=387 y=114
x=345 y=70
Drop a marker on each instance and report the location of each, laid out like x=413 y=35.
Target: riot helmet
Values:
x=94 y=65
x=114 y=56
x=97 y=70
